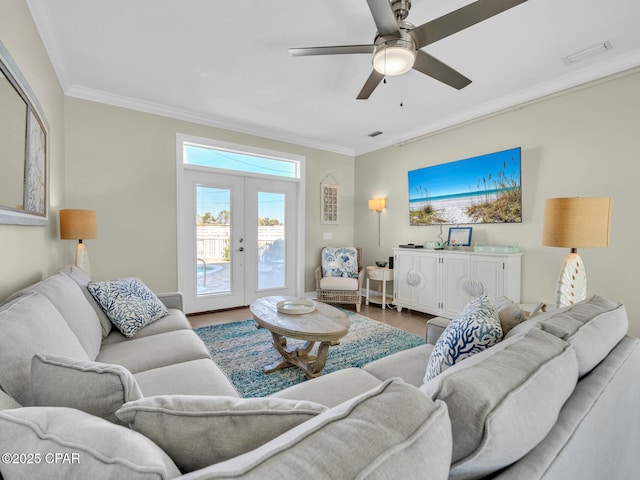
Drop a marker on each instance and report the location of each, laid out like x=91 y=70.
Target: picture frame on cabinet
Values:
x=460 y=236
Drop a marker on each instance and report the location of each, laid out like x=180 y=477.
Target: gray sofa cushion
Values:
x=509 y=313
x=96 y=388
x=436 y=327
x=331 y=389
x=67 y=297
x=197 y=431
x=82 y=279
x=196 y=377
x=6 y=402
x=174 y=320
x=592 y=327
x=391 y=431
x=505 y=400
x=409 y=365
x=30 y=324
x=140 y=354
x=90 y=446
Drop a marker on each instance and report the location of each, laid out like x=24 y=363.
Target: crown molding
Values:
x=578 y=79
x=623 y=64
x=84 y=93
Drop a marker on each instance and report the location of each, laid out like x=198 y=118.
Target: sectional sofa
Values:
x=560 y=394
x=558 y=398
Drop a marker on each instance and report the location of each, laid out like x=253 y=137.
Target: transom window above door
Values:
x=227 y=158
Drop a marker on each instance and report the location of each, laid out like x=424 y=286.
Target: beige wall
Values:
x=122 y=163
x=29 y=253
x=582 y=143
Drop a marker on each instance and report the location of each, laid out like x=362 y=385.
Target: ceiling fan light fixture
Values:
x=394 y=57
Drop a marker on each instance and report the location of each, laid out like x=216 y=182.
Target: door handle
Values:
x=241 y=249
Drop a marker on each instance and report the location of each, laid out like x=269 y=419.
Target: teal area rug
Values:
x=241 y=350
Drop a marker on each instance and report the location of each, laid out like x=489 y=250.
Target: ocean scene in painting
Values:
x=484 y=189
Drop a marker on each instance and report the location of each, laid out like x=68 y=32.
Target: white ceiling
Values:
x=226 y=64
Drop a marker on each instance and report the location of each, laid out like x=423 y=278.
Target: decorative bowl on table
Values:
x=298 y=306
x=381 y=264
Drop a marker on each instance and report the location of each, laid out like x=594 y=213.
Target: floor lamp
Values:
x=378 y=204
x=582 y=222
x=79 y=225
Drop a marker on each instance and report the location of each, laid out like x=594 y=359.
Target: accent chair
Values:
x=340 y=275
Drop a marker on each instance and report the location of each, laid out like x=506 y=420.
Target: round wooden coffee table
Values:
x=326 y=325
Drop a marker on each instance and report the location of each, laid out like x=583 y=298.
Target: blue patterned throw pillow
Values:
x=340 y=262
x=128 y=303
x=475 y=328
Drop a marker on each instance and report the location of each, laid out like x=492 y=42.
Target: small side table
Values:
x=382 y=275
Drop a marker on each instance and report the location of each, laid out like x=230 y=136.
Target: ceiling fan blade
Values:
x=459 y=20
x=384 y=17
x=335 y=50
x=370 y=85
x=442 y=72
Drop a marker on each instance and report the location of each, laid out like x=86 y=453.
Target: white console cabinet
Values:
x=442 y=282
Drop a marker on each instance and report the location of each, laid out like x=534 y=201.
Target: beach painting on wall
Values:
x=483 y=189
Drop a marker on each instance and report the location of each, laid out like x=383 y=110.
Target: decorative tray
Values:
x=296 y=307
x=496 y=248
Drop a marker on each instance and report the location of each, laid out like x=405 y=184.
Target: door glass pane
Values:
x=213 y=240
x=271 y=240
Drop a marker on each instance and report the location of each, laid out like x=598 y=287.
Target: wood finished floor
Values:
x=414 y=322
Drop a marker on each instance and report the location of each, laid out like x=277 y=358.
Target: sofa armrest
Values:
x=435 y=327
x=171 y=300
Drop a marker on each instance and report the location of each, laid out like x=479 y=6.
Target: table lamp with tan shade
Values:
x=581 y=222
x=79 y=225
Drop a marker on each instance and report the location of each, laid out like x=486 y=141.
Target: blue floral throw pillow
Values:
x=128 y=303
x=475 y=328
x=340 y=262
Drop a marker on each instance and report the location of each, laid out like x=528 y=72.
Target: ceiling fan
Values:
x=396 y=47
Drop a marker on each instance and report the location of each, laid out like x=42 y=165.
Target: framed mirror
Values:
x=24 y=154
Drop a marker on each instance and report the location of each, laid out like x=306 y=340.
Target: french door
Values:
x=238 y=239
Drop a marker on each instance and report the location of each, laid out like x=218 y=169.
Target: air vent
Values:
x=375 y=134
x=588 y=52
